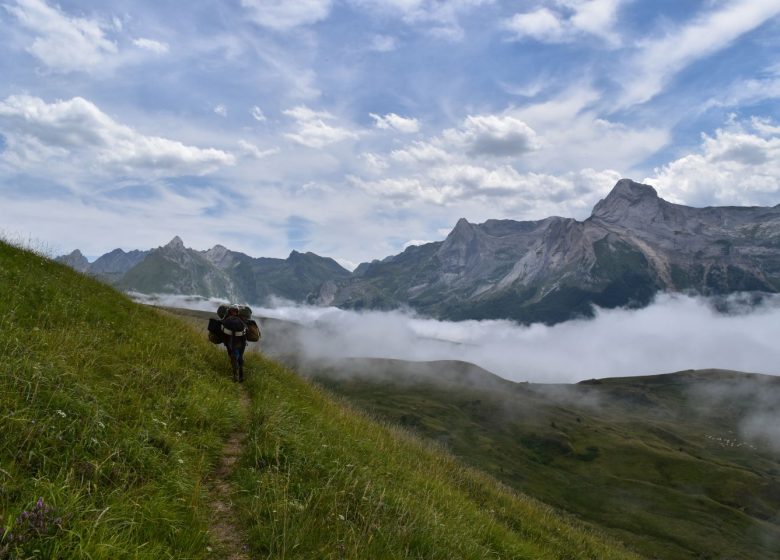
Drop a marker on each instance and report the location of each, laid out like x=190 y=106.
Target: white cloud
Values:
x=674 y=333
x=736 y=166
x=78 y=133
x=63 y=43
x=221 y=110
x=283 y=15
x=257 y=114
x=575 y=19
x=253 y=151
x=440 y=19
x=395 y=122
x=312 y=130
x=383 y=43
x=541 y=24
x=419 y=152
x=492 y=135
x=156 y=47
x=660 y=59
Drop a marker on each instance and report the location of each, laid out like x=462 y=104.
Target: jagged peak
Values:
x=175 y=243
x=625 y=195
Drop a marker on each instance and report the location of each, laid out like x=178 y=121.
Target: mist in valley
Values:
x=674 y=333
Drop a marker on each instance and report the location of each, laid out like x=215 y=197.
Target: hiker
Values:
x=234 y=328
x=234 y=338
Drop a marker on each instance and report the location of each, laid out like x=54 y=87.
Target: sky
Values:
x=353 y=128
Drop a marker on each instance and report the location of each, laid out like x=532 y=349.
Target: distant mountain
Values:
x=634 y=245
x=217 y=272
x=75 y=260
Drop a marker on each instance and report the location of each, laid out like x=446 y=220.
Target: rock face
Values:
x=75 y=260
x=217 y=272
x=634 y=245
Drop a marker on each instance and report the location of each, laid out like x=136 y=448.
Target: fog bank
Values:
x=674 y=333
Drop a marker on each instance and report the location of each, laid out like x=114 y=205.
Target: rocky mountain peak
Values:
x=175 y=243
x=76 y=260
x=628 y=201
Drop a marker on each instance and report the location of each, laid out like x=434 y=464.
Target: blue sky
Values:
x=354 y=127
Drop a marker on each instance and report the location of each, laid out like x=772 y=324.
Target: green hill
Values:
x=680 y=466
x=113 y=417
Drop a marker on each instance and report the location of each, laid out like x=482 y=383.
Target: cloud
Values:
x=492 y=135
x=383 y=43
x=739 y=165
x=283 y=15
x=312 y=130
x=439 y=19
x=528 y=195
x=574 y=19
x=78 y=133
x=221 y=110
x=672 y=334
x=156 y=47
x=395 y=122
x=660 y=59
x=420 y=152
x=257 y=114
x=255 y=152
x=63 y=43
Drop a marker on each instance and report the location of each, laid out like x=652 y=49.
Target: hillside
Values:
x=114 y=416
x=680 y=466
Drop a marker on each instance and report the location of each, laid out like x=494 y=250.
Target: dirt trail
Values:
x=228 y=538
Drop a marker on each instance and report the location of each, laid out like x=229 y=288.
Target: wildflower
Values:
x=181 y=461
x=61 y=413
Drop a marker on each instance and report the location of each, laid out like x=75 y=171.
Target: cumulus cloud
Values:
x=738 y=165
x=572 y=20
x=312 y=130
x=492 y=135
x=395 y=122
x=420 y=152
x=283 y=15
x=221 y=110
x=63 y=43
x=77 y=132
x=661 y=58
x=156 y=47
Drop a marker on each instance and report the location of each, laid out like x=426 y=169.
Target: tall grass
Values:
x=321 y=480
x=110 y=412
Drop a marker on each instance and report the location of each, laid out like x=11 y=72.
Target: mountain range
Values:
x=633 y=245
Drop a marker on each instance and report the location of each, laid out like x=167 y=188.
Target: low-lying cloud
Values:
x=674 y=333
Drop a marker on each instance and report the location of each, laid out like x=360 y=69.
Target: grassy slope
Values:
x=114 y=414
x=111 y=412
x=635 y=455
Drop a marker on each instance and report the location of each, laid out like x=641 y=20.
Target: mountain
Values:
x=217 y=272
x=679 y=466
x=112 y=266
x=75 y=260
x=633 y=245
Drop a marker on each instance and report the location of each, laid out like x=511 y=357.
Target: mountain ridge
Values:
x=632 y=246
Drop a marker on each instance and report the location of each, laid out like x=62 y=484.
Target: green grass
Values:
x=111 y=412
x=115 y=414
x=636 y=456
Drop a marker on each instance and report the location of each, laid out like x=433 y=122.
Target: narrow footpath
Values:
x=228 y=538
